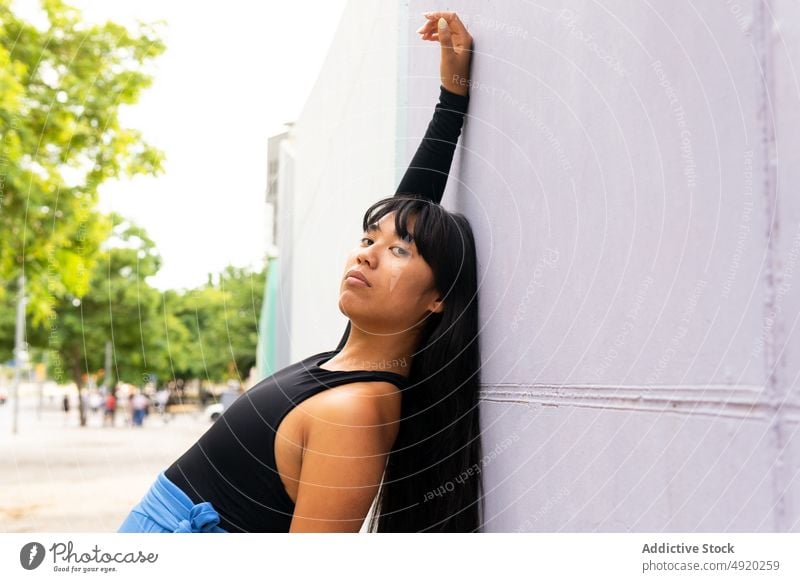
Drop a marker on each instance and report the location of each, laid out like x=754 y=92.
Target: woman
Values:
x=306 y=448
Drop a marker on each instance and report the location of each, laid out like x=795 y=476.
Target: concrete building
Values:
x=341 y=155
x=268 y=338
x=630 y=171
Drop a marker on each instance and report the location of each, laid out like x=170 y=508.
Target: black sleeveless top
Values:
x=232 y=465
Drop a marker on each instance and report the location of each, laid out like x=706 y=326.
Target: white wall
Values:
x=344 y=159
x=631 y=171
x=785 y=296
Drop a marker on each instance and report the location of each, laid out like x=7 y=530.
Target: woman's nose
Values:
x=365 y=255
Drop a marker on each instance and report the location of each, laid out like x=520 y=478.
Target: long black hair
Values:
x=433 y=477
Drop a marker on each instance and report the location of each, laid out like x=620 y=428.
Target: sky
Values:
x=231 y=76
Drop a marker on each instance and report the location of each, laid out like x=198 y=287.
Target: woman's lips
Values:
x=355 y=281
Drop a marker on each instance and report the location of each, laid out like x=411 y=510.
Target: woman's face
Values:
x=401 y=290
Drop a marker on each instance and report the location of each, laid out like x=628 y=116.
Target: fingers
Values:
x=428 y=27
x=453 y=21
x=457 y=31
x=445 y=38
x=429 y=31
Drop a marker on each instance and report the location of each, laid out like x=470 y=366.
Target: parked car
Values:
x=214 y=411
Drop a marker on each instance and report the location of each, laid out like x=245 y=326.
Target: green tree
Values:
x=122 y=309
x=222 y=319
x=61 y=90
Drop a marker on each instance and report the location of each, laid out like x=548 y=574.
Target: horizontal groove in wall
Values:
x=742 y=401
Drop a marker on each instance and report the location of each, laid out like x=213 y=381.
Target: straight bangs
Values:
x=429 y=227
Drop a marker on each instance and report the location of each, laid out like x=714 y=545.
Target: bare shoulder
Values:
x=349 y=431
x=371 y=405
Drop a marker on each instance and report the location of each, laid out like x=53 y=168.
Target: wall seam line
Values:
x=771 y=361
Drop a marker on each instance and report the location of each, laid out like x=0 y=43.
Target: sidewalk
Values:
x=58 y=477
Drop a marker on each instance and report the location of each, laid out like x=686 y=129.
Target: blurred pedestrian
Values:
x=65 y=407
x=162 y=398
x=110 y=409
x=139 y=403
x=95 y=401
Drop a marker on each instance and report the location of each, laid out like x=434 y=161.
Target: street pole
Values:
x=107 y=372
x=40 y=382
x=20 y=351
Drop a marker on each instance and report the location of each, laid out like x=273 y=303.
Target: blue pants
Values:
x=138 y=417
x=165 y=508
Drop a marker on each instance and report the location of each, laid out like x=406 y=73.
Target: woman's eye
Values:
x=402 y=252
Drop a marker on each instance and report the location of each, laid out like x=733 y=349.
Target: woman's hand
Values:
x=456 y=43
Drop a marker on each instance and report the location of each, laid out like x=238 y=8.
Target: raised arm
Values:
x=427 y=173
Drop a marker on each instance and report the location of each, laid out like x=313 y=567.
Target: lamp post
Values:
x=20 y=351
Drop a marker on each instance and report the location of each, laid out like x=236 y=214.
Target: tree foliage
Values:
x=222 y=319
x=87 y=273
x=61 y=90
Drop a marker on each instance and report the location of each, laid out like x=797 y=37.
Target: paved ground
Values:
x=58 y=477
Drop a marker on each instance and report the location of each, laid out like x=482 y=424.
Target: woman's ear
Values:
x=436 y=306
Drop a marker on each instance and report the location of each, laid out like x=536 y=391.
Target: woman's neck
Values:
x=365 y=351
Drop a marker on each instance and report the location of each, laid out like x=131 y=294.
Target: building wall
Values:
x=630 y=171
x=267 y=324
x=783 y=160
x=344 y=158
x=282 y=315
